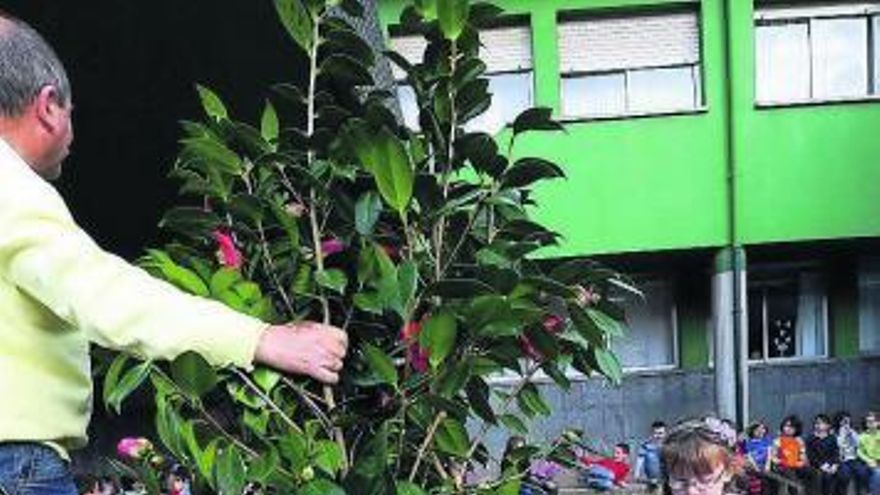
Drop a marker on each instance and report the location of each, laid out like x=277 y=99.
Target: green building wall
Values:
x=802 y=173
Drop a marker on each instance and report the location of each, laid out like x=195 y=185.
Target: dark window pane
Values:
x=756 y=324
x=782 y=308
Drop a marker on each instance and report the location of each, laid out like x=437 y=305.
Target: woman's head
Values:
x=757 y=430
x=791 y=426
x=697 y=459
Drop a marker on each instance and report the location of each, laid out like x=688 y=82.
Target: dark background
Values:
x=133 y=66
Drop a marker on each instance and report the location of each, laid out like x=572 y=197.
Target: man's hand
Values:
x=305 y=348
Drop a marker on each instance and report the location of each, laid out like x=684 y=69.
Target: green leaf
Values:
x=527 y=171
x=329 y=457
x=531 y=403
x=212 y=104
x=321 y=486
x=332 y=279
x=269 y=123
x=297 y=21
x=213 y=154
x=407 y=283
x=367 y=212
x=536 y=119
x=229 y=470
x=478 y=397
x=193 y=374
x=346 y=70
x=438 y=336
x=223 y=280
x=266 y=379
x=381 y=364
x=111 y=379
x=184 y=278
x=407 y=488
x=453 y=379
x=608 y=364
x=607 y=324
x=130 y=381
x=452 y=438
x=453 y=16
x=190 y=221
x=514 y=424
x=385 y=157
x=459 y=288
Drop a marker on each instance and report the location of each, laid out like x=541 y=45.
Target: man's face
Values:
x=659 y=433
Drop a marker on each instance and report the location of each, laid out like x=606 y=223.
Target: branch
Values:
x=426 y=443
x=269 y=402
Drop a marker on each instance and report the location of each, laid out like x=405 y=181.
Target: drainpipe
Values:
x=733 y=396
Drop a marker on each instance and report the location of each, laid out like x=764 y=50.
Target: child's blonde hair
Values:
x=694 y=449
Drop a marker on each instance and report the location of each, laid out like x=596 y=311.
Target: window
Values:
x=816 y=52
x=650 y=339
x=787 y=316
x=507 y=52
x=637 y=64
x=869 y=307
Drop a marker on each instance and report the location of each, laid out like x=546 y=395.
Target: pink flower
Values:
x=133 y=448
x=330 y=247
x=227 y=253
x=416 y=354
x=553 y=323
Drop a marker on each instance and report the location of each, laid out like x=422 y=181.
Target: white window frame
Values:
x=793 y=13
x=697 y=72
x=765 y=342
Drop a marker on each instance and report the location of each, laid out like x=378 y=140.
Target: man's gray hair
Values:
x=27 y=65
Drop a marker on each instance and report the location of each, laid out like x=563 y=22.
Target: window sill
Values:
x=770 y=105
x=540 y=377
x=635 y=115
x=790 y=361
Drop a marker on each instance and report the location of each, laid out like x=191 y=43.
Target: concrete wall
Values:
x=609 y=415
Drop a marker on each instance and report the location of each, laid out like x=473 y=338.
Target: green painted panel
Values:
x=633 y=184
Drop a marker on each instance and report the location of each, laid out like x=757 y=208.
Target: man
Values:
x=59 y=290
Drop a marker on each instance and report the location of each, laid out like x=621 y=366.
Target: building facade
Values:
x=725 y=153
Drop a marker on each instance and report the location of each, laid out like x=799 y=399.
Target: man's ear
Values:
x=49 y=110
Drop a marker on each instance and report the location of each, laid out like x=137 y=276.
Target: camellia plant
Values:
x=418 y=244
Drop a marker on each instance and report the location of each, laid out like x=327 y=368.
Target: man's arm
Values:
x=47 y=256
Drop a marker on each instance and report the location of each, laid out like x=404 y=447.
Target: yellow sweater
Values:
x=59 y=291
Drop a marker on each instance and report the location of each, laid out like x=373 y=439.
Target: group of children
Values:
x=826 y=461
x=710 y=457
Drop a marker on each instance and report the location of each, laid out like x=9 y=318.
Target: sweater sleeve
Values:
x=47 y=256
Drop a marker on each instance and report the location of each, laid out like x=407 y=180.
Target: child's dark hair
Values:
x=623 y=446
x=794 y=422
x=86 y=483
x=658 y=424
x=823 y=418
x=694 y=449
x=839 y=416
x=750 y=431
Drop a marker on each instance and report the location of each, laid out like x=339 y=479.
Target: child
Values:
x=851 y=467
x=824 y=456
x=698 y=459
x=756 y=448
x=606 y=473
x=869 y=451
x=648 y=465
x=789 y=453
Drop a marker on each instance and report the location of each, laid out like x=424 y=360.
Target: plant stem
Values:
x=426 y=443
x=504 y=407
x=316 y=410
x=329 y=398
x=269 y=402
x=440 y=228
